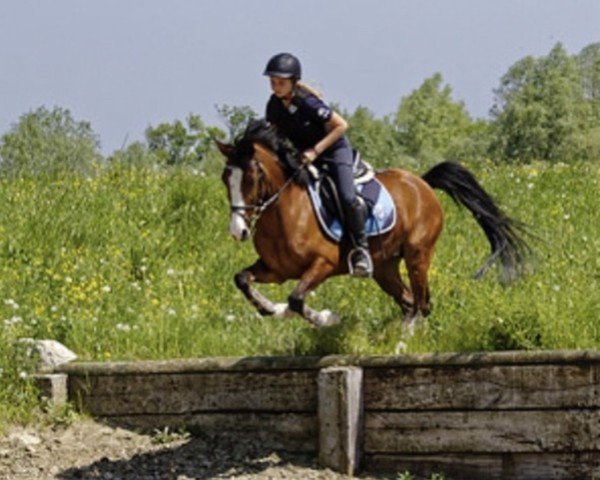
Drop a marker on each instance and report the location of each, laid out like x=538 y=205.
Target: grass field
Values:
x=138 y=264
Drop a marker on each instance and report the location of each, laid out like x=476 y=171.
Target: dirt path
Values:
x=91 y=450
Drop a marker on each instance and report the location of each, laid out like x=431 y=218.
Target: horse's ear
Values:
x=224 y=148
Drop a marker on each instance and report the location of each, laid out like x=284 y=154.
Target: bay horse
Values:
x=269 y=204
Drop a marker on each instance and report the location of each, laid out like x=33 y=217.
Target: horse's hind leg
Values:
x=387 y=276
x=259 y=272
x=417 y=263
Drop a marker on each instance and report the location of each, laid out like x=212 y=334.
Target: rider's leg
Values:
x=354 y=211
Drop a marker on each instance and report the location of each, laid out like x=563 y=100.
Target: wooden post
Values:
x=340 y=418
x=53 y=386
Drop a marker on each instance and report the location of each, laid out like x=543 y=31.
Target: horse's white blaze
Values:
x=237 y=225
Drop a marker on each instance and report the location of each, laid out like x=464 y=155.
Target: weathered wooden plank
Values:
x=219 y=364
x=489 y=387
x=295 y=432
x=482 y=431
x=292 y=391
x=513 y=466
x=192 y=365
x=517 y=357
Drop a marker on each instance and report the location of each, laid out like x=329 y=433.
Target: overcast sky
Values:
x=126 y=64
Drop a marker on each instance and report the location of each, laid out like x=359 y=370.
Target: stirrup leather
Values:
x=365 y=273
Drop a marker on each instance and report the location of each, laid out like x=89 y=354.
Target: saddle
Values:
x=381 y=212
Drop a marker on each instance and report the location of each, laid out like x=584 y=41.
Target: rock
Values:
x=50 y=353
x=25 y=439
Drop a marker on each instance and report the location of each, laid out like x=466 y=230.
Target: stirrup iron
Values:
x=360 y=273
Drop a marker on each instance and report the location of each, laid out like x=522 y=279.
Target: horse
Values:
x=269 y=203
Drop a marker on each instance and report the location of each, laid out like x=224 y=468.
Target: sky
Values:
x=125 y=65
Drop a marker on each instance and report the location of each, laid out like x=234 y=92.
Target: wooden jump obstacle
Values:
x=503 y=415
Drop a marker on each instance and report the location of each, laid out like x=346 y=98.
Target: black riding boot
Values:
x=359 y=259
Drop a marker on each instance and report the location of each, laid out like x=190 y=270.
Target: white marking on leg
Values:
x=326 y=318
x=330 y=318
x=282 y=310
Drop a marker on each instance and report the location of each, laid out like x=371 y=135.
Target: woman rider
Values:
x=318 y=132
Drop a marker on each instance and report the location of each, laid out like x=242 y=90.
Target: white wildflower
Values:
x=11 y=303
x=106 y=289
x=230 y=317
x=123 y=327
x=171 y=272
x=171 y=312
x=13 y=321
x=22 y=374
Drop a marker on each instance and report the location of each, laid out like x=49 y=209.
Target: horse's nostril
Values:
x=245 y=235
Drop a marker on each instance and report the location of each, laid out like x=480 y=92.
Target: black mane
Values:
x=259 y=131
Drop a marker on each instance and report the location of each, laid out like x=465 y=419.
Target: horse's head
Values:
x=259 y=166
x=242 y=178
x=253 y=173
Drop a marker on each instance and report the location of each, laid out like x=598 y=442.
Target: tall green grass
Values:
x=137 y=264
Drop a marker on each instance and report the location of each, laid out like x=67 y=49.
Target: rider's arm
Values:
x=336 y=127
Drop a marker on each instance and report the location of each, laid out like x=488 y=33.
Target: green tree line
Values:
x=545 y=108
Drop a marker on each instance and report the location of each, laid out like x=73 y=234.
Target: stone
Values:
x=24 y=439
x=50 y=353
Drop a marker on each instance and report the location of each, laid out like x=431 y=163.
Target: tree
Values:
x=588 y=61
x=48 y=142
x=236 y=118
x=374 y=138
x=539 y=108
x=429 y=120
x=134 y=155
x=178 y=143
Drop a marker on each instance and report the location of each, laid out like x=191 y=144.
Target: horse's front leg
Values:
x=311 y=279
x=259 y=272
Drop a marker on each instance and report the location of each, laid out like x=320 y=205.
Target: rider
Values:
x=298 y=113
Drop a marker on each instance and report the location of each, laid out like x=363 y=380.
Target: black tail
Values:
x=503 y=233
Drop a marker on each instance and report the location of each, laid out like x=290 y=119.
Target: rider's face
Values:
x=282 y=87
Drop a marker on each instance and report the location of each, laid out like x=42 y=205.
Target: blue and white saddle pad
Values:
x=382 y=211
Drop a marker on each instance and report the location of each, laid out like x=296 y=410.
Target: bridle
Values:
x=257 y=209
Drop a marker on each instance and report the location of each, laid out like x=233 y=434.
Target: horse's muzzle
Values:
x=238 y=227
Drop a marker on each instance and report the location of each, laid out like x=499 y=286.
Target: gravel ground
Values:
x=92 y=450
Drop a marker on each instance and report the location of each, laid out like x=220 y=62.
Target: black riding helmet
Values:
x=284 y=65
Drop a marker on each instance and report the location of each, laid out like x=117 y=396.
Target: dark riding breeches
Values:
x=340 y=168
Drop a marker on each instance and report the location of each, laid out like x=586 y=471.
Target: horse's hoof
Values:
x=282 y=310
x=327 y=318
x=411 y=323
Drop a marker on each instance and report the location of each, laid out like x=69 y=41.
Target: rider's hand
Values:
x=309 y=156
